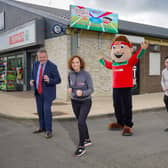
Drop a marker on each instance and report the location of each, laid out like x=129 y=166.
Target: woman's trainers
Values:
x=127 y=131
x=80 y=151
x=87 y=142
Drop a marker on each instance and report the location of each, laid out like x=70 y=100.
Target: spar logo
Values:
x=19 y=37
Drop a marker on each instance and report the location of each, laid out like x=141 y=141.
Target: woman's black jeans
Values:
x=165 y=99
x=81 y=110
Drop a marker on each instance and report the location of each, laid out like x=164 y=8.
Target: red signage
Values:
x=16 y=38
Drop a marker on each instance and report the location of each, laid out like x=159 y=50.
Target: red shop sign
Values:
x=16 y=38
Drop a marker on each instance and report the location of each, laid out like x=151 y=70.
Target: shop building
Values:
x=24 y=28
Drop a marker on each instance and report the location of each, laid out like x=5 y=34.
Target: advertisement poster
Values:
x=92 y=19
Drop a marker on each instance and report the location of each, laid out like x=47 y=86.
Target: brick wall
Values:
x=58 y=51
x=89 y=50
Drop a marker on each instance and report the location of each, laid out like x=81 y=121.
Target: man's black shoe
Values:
x=48 y=135
x=38 y=131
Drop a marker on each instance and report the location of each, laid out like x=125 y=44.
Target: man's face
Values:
x=42 y=57
x=166 y=63
x=121 y=52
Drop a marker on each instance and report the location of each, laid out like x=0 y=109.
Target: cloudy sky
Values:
x=153 y=12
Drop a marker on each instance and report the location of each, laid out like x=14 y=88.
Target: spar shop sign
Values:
x=19 y=37
x=22 y=36
x=93 y=19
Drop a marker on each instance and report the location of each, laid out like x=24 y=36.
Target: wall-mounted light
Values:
x=155 y=48
x=57 y=29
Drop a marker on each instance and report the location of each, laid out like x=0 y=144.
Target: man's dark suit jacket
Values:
x=49 y=89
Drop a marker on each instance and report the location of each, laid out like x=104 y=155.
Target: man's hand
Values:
x=31 y=83
x=46 y=78
x=79 y=93
x=145 y=44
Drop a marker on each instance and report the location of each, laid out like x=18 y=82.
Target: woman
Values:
x=80 y=88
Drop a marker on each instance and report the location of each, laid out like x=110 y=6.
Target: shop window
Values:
x=11 y=73
x=154 y=63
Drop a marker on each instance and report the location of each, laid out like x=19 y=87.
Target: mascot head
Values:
x=121 y=49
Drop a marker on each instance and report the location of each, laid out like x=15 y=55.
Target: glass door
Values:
x=31 y=58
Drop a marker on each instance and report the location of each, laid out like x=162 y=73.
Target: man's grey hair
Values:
x=42 y=50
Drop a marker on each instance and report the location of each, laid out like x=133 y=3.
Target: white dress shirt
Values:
x=164 y=80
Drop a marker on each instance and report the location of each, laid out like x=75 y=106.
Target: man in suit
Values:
x=45 y=77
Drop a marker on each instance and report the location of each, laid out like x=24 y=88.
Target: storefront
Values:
x=25 y=30
x=17 y=53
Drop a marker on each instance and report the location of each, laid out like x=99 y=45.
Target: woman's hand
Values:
x=69 y=90
x=79 y=93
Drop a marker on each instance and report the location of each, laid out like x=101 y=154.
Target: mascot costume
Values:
x=122 y=67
